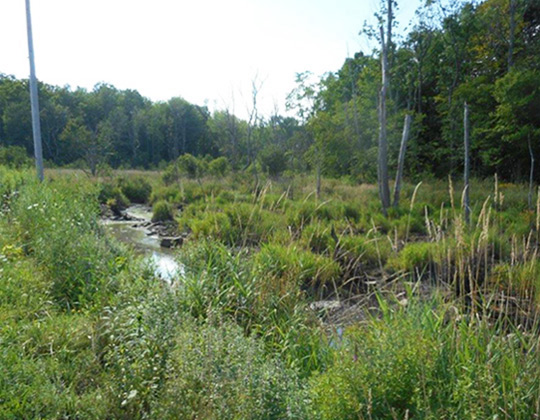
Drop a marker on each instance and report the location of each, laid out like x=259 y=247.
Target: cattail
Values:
x=451 y=192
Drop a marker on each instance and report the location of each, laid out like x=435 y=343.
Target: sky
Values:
x=207 y=51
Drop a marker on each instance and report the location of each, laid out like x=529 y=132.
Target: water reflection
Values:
x=162 y=258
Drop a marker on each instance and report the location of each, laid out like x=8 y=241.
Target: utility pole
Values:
x=36 y=128
x=382 y=166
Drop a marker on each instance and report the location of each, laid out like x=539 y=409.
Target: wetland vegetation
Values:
x=293 y=288
x=289 y=306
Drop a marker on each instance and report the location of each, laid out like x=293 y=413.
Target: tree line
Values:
x=484 y=53
x=124 y=129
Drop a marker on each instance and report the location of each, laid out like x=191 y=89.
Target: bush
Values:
x=170 y=193
x=110 y=193
x=162 y=211
x=140 y=334
x=219 y=167
x=273 y=160
x=193 y=192
x=191 y=166
x=171 y=174
x=218 y=373
x=14 y=157
x=423 y=360
x=377 y=372
x=58 y=223
x=136 y=189
x=11 y=180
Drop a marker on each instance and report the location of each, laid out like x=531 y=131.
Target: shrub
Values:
x=219 y=167
x=170 y=193
x=423 y=360
x=140 y=334
x=136 y=189
x=49 y=369
x=191 y=166
x=109 y=193
x=273 y=160
x=218 y=373
x=162 y=211
x=58 y=224
x=226 y=197
x=11 y=180
x=300 y=214
x=192 y=192
x=14 y=157
x=377 y=372
x=171 y=174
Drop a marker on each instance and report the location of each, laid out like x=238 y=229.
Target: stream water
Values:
x=163 y=259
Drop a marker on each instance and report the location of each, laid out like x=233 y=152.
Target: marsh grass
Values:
x=428 y=360
x=435 y=319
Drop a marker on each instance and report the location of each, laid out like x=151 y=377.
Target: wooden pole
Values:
x=382 y=167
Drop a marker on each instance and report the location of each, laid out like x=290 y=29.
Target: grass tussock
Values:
x=436 y=319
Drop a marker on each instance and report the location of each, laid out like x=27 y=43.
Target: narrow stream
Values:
x=163 y=259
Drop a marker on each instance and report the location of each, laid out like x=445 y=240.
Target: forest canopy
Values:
x=483 y=53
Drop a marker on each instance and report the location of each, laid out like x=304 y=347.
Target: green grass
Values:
x=162 y=211
x=445 y=325
x=424 y=361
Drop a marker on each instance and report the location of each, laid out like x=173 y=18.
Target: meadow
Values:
x=290 y=306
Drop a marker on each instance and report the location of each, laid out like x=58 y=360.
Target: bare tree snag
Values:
x=466 y=199
x=252 y=126
x=319 y=179
x=401 y=159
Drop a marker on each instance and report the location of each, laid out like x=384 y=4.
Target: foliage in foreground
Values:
x=428 y=361
x=88 y=332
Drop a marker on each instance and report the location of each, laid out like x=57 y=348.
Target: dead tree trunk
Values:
x=466 y=199
x=252 y=126
x=382 y=172
x=319 y=179
x=401 y=160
